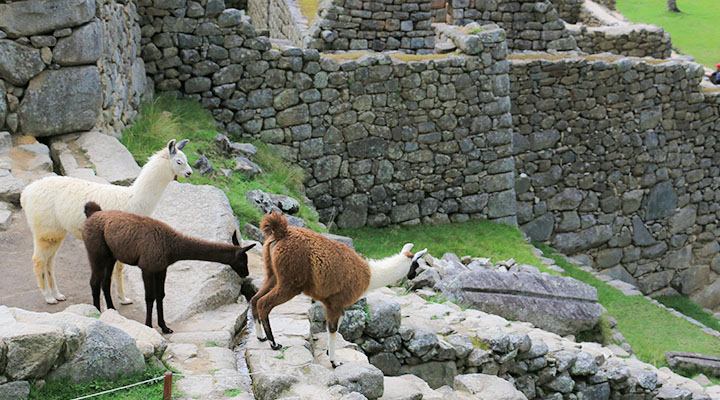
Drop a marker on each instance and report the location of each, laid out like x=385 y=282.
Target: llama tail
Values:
x=91 y=208
x=274 y=224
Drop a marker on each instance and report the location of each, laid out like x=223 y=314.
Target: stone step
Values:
x=22 y=160
x=94 y=156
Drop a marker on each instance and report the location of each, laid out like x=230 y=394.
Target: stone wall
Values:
x=569 y=10
x=281 y=18
x=382 y=141
x=636 y=40
x=618 y=158
x=68 y=66
x=363 y=24
x=529 y=24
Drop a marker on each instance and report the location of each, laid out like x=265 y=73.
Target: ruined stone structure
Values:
x=69 y=66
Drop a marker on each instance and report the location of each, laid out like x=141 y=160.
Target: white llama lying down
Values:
x=55 y=206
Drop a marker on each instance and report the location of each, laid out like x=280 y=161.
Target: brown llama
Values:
x=153 y=246
x=298 y=260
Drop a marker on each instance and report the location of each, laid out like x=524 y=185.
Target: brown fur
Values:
x=298 y=260
x=150 y=244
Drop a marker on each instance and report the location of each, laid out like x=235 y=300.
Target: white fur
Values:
x=55 y=206
x=332 y=337
x=391 y=269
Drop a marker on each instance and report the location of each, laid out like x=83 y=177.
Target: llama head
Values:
x=240 y=261
x=178 y=160
x=413 y=258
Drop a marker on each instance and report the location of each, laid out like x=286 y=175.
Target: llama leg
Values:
x=96 y=279
x=119 y=278
x=267 y=286
x=148 y=283
x=159 y=296
x=333 y=316
x=107 y=281
x=275 y=297
x=45 y=247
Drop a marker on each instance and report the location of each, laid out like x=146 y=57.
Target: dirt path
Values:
x=18 y=287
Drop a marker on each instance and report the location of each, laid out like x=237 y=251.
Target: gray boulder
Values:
x=18 y=63
x=106 y=353
x=557 y=304
x=435 y=373
x=18 y=390
x=363 y=378
x=31 y=349
x=26 y=18
x=61 y=101
x=246 y=167
x=268 y=202
x=84 y=46
x=384 y=316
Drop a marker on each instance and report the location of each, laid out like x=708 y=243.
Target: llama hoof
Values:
x=335 y=364
x=60 y=297
x=126 y=301
x=262 y=339
x=166 y=330
x=51 y=300
x=275 y=346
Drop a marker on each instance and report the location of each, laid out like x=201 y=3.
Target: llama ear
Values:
x=171 y=147
x=181 y=144
x=248 y=247
x=235 y=240
x=419 y=254
x=406 y=249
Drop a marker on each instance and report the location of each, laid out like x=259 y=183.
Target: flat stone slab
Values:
x=94 y=156
x=708 y=365
x=26 y=161
x=557 y=304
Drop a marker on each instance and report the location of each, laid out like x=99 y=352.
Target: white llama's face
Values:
x=178 y=159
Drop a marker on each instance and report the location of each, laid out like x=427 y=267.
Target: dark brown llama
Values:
x=152 y=245
x=298 y=260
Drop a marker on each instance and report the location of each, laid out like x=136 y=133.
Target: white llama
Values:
x=55 y=206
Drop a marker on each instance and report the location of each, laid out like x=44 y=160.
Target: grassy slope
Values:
x=649 y=329
x=61 y=390
x=167 y=118
x=695 y=31
x=691 y=309
x=479 y=238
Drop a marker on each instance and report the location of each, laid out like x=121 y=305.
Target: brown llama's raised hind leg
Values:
x=159 y=296
x=277 y=295
x=268 y=285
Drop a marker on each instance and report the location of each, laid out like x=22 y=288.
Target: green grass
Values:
x=478 y=238
x=168 y=118
x=691 y=309
x=650 y=330
x=61 y=390
x=694 y=31
x=233 y=392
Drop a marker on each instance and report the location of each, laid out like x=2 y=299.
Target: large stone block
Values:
x=61 y=101
x=26 y=18
x=487 y=387
x=84 y=46
x=18 y=63
x=574 y=242
x=557 y=304
x=31 y=349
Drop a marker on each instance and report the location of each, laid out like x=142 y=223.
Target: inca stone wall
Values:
x=68 y=66
x=383 y=141
x=363 y=24
x=529 y=24
x=617 y=158
x=569 y=10
x=281 y=18
x=636 y=40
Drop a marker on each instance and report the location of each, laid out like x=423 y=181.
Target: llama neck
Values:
x=387 y=271
x=150 y=185
x=188 y=248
